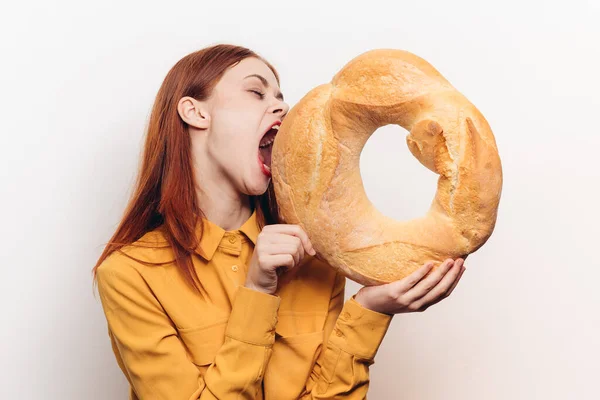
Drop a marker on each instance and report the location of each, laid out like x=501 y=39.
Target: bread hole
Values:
x=397 y=184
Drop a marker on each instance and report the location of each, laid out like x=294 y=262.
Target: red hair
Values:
x=164 y=196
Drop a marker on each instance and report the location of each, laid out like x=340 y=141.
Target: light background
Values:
x=77 y=82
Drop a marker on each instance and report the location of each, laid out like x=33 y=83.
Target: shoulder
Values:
x=152 y=247
x=138 y=258
x=129 y=275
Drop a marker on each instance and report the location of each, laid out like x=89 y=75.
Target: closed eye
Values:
x=261 y=95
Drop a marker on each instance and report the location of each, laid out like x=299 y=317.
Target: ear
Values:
x=193 y=112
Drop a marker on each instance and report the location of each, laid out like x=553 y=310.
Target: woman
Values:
x=206 y=294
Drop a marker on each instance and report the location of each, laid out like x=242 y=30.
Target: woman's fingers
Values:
x=462 y=270
x=426 y=284
x=276 y=249
x=403 y=285
x=279 y=247
x=415 y=292
x=282 y=243
x=442 y=289
x=280 y=262
x=293 y=230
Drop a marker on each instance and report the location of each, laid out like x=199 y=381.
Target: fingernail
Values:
x=312 y=252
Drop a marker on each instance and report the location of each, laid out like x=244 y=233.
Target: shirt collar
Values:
x=213 y=234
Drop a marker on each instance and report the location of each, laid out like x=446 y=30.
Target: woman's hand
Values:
x=279 y=247
x=414 y=293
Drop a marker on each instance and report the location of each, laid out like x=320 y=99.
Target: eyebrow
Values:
x=266 y=83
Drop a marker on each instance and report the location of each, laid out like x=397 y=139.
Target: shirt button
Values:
x=338 y=332
x=234 y=268
x=232 y=239
x=346 y=315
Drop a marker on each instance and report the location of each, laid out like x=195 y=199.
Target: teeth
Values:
x=267 y=143
x=275 y=128
x=267 y=167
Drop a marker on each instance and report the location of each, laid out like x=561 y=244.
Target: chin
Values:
x=256 y=191
x=257 y=184
x=262 y=189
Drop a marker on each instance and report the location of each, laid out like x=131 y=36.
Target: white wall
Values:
x=77 y=82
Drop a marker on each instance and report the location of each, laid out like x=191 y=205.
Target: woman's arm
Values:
x=342 y=370
x=354 y=334
x=154 y=359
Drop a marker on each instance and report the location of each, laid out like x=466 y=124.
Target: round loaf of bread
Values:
x=317 y=180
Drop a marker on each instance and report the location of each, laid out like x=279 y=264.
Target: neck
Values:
x=228 y=212
x=221 y=203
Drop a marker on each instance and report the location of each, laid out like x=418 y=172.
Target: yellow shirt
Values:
x=232 y=342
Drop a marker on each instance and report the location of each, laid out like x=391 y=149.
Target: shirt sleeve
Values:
x=153 y=358
x=354 y=335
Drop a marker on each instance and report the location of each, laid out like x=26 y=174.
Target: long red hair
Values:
x=164 y=196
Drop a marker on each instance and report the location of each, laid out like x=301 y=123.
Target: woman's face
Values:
x=241 y=109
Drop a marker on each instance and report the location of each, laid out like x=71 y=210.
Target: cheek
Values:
x=235 y=135
x=233 y=148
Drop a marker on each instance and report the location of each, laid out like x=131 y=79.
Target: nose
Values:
x=281 y=108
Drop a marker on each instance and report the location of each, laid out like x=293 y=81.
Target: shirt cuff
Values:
x=253 y=317
x=359 y=331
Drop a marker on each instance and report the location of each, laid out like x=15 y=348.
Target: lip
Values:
x=262 y=168
x=275 y=123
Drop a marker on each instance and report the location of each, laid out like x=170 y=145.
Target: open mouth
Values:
x=265 y=147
